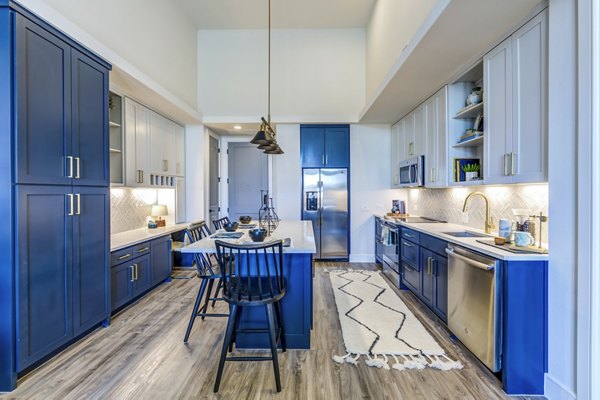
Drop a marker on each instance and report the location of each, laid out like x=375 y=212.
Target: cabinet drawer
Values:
x=410 y=253
x=411 y=277
x=128 y=253
x=434 y=244
x=410 y=235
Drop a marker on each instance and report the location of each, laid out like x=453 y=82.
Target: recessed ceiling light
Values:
x=237 y=127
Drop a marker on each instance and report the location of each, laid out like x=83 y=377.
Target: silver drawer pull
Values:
x=132 y=274
x=143 y=249
x=408 y=244
x=125 y=256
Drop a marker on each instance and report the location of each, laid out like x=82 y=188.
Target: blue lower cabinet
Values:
x=411 y=277
x=440 y=292
x=161 y=259
x=121 y=287
x=142 y=268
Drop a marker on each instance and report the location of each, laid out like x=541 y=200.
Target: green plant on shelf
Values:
x=470 y=168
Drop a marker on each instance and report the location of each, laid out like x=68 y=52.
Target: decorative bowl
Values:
x=231 y=226
x=258 y=234
x=245 y=219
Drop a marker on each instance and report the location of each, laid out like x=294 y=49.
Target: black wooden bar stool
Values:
x=218 y=223
x=252 y=276
x=208 y=271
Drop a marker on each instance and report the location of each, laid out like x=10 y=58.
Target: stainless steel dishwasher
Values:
x=474 y=307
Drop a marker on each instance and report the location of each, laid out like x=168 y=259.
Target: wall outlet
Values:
x=364 y=207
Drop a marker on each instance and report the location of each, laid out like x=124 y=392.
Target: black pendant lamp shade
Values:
x=263 y=137
x=276 y=150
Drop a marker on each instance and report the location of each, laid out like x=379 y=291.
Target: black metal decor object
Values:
x=267 y=217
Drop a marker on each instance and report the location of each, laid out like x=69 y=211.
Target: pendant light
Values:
x=265 y=138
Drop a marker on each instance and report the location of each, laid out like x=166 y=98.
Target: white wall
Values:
x=196 y=172
x=562 y=112
x=392 y=25
x=287 y=173
x=152 y=35
x=316 y=75
x=370 y=193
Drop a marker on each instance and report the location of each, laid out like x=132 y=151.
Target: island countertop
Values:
x=301 y=234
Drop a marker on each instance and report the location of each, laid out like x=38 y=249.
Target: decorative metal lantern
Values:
x=267 y=217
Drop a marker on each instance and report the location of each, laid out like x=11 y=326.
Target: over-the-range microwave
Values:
x=411 y=172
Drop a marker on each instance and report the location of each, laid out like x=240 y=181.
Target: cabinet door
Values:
x=409 y=136
x=43 y=231
x=141 y=145
x=143 y=275
x=89 y=116
x=121 y=285
x=419 y=143
x=497 y=97
x=395 y=155
x=312 y=146
x=337 y=147
x=179 y=149
x=439 y=165
x=43 y=96
x=158 y=144
x=431 y=145
x=427 y=277
x=440 y=292
x=91 y=252
x=530 y=133
x=161 y=259
x=411 y=278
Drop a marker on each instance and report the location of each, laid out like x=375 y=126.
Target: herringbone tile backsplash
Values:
x=130 y=208
x=446 y=204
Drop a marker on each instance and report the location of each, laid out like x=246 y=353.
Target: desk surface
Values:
x=300 y=232
x=128 y=238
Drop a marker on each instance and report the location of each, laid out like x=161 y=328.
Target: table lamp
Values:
x=159 y=210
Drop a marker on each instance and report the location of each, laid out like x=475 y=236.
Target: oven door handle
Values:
x=470 y=261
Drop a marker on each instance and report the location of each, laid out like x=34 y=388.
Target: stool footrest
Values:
x=249 y=359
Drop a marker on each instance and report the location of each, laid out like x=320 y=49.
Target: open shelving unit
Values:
x=462 y=119
x=115 y=117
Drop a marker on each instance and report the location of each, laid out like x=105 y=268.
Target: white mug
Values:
x=523 y=239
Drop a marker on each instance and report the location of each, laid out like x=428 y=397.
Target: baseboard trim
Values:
x=362 y=258
x=554 y=390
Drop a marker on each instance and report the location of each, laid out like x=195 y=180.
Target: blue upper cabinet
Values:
x=43 y=103
x=89 y=114
x=62 y=111
x=325 y=146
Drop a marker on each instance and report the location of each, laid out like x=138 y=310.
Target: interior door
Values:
x=213 y=172
x=248 y=175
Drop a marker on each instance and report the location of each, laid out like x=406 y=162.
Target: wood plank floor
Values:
x=142 y=356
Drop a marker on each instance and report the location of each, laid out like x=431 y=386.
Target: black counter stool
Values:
x=218 y=223
x=207 y=269
x=252 y=276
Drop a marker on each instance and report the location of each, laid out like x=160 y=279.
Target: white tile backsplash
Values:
x=447 y=204
x=130 y=208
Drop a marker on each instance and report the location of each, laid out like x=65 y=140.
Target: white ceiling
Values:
x=291 y=14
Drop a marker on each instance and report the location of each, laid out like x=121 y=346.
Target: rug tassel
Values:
x=341 y=359
x=445 y=365
x=353 y=361
x=397 y=365
x=376 y=362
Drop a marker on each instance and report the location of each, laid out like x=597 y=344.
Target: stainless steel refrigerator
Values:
x=325 y=203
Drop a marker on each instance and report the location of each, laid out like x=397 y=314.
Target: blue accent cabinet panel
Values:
x=89 y=87
x=161 y=259
x=143 y=275
x=325 y=146
x=43 y=128
x=121 y=287
x=44 y=270
x=427 y=278
x=91 y=243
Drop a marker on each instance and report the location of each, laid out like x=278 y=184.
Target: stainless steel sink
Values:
x=465 y=234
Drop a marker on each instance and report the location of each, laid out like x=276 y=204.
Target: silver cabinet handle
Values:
x=506 y=164
x=70 y=159
x=143 y=249
x=408 y=235
x=78 y=197
x=326 y=161
x=124 y=256
x=78 y=163
x=136 y=271
x=470 y=261
x=165 y=165
x=512 y=163
x=323 y=158
x=433 y=174
x=70 y=196
x=140 y=176
x=407 y=244
x=132 y=273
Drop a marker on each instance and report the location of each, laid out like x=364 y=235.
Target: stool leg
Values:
x=226 y=341
x=234 y=337
x=195 y=310
x=207 y=300
x=219 y=286
x=280 y=323
x=272 y=339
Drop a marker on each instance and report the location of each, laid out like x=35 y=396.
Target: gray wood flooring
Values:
x=142 y=356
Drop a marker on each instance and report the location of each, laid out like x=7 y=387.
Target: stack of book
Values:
x=470 y=135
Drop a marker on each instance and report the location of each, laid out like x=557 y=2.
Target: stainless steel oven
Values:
x=390 y=251
x=411 y=172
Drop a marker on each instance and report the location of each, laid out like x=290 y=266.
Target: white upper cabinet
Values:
x=137 y=141
x=436 y=139
x=419 y=138
x=515 y=94
x=179 y=146
x=395 y=148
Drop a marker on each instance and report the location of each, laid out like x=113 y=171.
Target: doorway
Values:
x=248 y=175
x=213 y=180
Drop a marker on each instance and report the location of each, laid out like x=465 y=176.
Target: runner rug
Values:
x=379 y=328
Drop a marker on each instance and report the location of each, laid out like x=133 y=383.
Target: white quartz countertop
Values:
x=300 y=233
x=128 y=238
x=437 y=230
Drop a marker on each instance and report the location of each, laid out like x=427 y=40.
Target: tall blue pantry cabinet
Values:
x=54 y=202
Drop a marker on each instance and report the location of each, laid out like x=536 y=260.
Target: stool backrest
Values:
x=194 y=233
x=218 y=223
x=251 y=272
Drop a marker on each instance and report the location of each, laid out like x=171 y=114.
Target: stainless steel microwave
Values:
x=411 y=172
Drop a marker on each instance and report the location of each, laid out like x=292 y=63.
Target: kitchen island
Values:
x=297 y=305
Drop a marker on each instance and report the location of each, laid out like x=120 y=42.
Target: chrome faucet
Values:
x=488 y=219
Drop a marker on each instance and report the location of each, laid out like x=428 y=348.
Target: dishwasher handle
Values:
x=470 y=261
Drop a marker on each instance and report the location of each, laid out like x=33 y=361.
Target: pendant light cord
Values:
x=269 y=70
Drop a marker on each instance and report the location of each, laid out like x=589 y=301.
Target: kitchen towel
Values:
x=376 y=324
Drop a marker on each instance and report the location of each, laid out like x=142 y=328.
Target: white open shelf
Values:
x=470 y=111
x=478 y=141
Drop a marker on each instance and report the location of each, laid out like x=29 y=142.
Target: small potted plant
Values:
x=471 y=171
